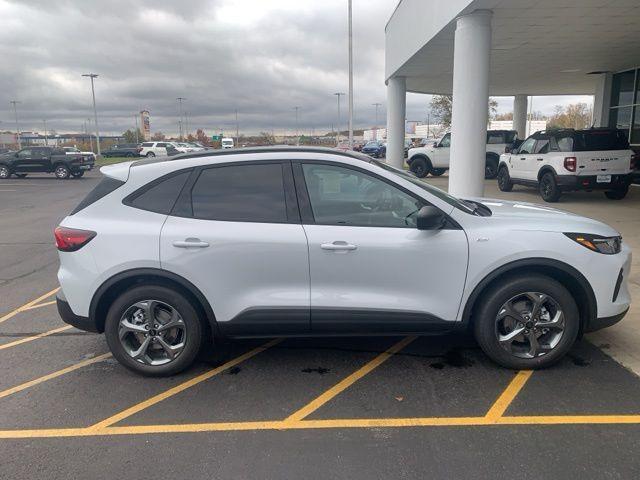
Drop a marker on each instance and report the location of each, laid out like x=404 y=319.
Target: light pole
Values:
x=338 y=94
x=375 y=128
x=46 y=140
x=95 y=111
x=350 y=75
x=15 y=111
x=87 y=133
x=135 y=116
x=297 y=136
x=180 y=99
x=237 y=129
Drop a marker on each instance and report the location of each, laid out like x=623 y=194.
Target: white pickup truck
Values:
x=557 y=161
x=434 y=158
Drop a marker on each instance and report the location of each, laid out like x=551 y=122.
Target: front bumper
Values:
x=604 y=322
x=590 y=182
x=67 y=315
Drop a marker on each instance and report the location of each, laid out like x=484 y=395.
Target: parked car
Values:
x=434 y=159
x=123 y=150
x=183 y=147
x=375 y=149
x=45 y=159
x=557 y=161
x=197 y=147
x=75 y=150
x=310 y=241
x=227 y=143
x=154 y=149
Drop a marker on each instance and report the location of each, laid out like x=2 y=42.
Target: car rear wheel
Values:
x=420 y=167
x=527 y=322
x=21 y=175
x=437 y=172
x=154 y=331
x=77 y=174
x=62 y=172
x=504 y=180
x=617 y=194
x=4 y=172
x=150 y=154
x=490 y=168
x=548 y=188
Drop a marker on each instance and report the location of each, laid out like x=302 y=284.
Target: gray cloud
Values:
x=261 y=58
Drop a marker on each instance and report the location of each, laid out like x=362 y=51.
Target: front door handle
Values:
x=190 y=243
x=540 y=159
x=338 y=245
x=523 y=158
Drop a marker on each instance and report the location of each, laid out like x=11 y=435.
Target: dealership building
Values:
x=476 y=48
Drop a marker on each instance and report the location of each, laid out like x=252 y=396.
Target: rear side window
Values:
x=494 y=138
x=241 y=193
x=105 y=187
x=147 y=144
x=159 y=196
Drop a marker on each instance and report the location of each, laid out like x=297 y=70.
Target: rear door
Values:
x=602 y=152
x=371 y=269
x=235 y=234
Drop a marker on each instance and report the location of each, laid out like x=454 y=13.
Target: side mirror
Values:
x=430 y=218
x=436 y=144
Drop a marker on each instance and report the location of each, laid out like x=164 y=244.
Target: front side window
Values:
x=527 y=146
x=24 y=153
x=342 y=196
x=241 y=193
x=446 y=140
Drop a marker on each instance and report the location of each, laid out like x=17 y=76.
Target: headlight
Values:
x=597 y=243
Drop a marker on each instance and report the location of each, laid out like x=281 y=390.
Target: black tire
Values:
x=485 y=320
x=437 y=172
x=61 y=171
x=150 y=154
x=4 y=172
x=77 y=174
x=420 y=167
x=129 y=155
x=548 y=188
x=490 y=167
x=504 y=179
x=617 y=194
x=194 y=328
x=21 y=175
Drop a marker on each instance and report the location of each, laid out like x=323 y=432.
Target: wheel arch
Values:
x=422 y=156
x=492 y=156
x=545 y=169
x=564 y=273
x=114 y=286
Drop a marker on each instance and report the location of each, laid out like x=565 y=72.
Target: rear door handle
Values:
x=540 y=159
x=190 y=243
x=523 y=158
x=338 y=245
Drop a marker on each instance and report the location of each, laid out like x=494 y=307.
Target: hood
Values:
x=531 y=216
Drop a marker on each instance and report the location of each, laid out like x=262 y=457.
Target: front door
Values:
x=371 y=269
x=236 y=235
x=440 y=154
x=523 y=160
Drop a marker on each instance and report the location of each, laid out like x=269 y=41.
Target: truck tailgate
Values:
x=604 y=162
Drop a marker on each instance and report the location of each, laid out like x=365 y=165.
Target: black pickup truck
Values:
x=44 y=159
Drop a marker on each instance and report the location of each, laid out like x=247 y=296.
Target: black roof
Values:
x=267 y=149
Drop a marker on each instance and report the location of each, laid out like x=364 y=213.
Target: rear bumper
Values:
x=589 y=182
x=604 y=322
x=67 y=315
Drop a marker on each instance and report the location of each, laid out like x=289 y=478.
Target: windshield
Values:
x=442 y=195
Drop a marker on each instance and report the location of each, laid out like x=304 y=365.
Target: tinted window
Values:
x=623 y=88
x=565 y=143
x=242 y=193
x=495 y=137
x=160 y=196
x=527 y=146
x=542 y=145
x=24 y=153
x=147 y=144
x=341 y=196
x=105 y=187
x=595 y=140
x=161 y=145
x=446 y=140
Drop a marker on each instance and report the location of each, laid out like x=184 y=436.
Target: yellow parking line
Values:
x=27 y=305
x=39 y=305
x=325 y=424
x=31 y=383
x=508 y=395
x=182 y=387
x=348 y=381
x=34 y=337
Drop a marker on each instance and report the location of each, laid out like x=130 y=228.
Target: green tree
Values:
x=130 y=136
x=442 y=105
x=575 y=115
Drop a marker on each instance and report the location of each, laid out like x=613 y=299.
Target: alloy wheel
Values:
x=529 y=325
x=152 y=332
x=62 y=172
x=4 y=172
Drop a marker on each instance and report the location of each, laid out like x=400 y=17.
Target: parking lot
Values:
x=400 y=407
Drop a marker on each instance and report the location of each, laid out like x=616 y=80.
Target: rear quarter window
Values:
x=160 y=195
x=105 y=187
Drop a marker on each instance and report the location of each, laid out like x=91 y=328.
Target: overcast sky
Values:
x=259 y=57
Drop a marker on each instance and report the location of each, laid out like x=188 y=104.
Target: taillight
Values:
x=72 y=239
x=633 y=162
x=139 y=149
x=570 y=163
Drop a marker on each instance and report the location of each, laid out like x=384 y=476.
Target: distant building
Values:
x=532 y=127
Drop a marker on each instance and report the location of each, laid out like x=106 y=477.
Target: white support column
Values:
x=602 y=100
x=396 y=111
x=472 y=48
x=520 y=115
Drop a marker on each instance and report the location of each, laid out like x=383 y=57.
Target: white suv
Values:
x=167 y=256
x=557 y=161
x=157 y=149
x=433 y=158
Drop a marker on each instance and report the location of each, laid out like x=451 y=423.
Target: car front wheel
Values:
x=437 y=172
x=150 y=154
x=62 y=172
x=154 y=331
x=4 y=172
x=77 y=174
x=504 y=180
x=527 y=322
x=420 y=167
